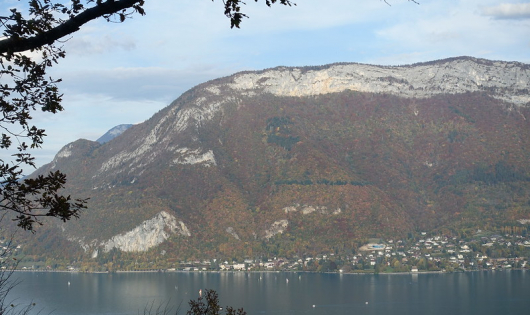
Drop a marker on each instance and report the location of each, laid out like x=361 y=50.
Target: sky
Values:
x=118 y=73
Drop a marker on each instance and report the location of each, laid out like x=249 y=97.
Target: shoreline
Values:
x=265 y=271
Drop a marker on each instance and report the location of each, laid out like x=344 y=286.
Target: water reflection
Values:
x=272 y=293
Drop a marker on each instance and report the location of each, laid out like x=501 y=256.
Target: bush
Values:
x=209 y=305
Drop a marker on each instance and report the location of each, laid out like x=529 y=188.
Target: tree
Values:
x=209 y=305
x=28 y=48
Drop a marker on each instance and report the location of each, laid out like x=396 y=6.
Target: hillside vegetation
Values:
x=265 y=174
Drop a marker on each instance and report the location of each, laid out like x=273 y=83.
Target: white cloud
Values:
x=310 y=15
x=89 y=45
x=508 y=11
x=454 y=30
x=139 y=83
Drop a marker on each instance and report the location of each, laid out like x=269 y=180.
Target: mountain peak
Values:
x=113 y=133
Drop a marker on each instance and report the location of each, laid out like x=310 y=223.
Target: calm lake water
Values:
x=481 y=293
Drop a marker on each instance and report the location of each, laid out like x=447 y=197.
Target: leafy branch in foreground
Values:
x=209 y=305
x=34 y=198
x=233 y=9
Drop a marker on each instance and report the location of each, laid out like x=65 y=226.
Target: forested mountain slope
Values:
x=290 y=161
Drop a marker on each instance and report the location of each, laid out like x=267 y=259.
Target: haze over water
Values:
x=501 y=292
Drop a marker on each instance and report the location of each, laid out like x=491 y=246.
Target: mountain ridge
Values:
x=199 y=112
x=307 y=158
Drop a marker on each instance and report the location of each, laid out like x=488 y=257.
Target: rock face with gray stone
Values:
x=509 y=80
x=148 y=234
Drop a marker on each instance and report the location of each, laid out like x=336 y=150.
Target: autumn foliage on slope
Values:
x=340 y=168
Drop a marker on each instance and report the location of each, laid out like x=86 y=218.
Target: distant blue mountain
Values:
x=113 y=133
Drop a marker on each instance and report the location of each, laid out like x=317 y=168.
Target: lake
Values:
x=281 y=293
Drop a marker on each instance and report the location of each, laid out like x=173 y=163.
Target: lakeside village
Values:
x=421 y=254
x=428 y=254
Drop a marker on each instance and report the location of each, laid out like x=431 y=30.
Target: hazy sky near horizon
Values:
x=124 y=73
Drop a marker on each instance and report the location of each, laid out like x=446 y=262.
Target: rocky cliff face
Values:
x=461 y=75
x=503 y=80
x=149 y=234
x=309 y=158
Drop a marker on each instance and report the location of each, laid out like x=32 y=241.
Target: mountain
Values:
x=113 y=133
x=291 y=161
